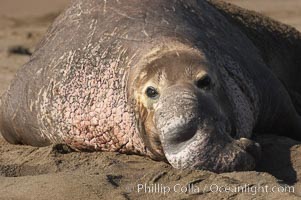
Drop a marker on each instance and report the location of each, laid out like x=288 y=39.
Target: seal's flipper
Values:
x=279 y=44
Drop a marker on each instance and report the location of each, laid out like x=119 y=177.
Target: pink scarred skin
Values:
x=77 y=92
x=91 y=112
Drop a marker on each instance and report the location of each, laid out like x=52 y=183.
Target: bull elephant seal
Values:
x=178 y=80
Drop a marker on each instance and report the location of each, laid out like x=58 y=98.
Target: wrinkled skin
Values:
x=172 y=80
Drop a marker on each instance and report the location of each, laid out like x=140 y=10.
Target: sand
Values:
x=55 y=172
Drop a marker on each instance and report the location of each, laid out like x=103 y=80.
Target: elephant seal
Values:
x=183 y=81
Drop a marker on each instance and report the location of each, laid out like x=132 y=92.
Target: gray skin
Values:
x=188 y=82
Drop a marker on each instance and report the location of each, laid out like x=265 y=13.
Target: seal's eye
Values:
x=151 y=92
x=204 y=82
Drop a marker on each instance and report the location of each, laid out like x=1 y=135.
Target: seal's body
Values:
x=173 y=80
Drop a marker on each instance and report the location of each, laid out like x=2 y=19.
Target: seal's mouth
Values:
x=193 y=134
x=216 y=156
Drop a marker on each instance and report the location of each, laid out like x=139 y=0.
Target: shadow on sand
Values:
x=277 y=157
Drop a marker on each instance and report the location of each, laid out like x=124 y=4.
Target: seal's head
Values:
x=185 y=115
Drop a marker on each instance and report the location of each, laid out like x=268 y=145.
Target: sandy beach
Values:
x=56 y=172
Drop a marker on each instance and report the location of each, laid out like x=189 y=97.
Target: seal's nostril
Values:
x=183 y=135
